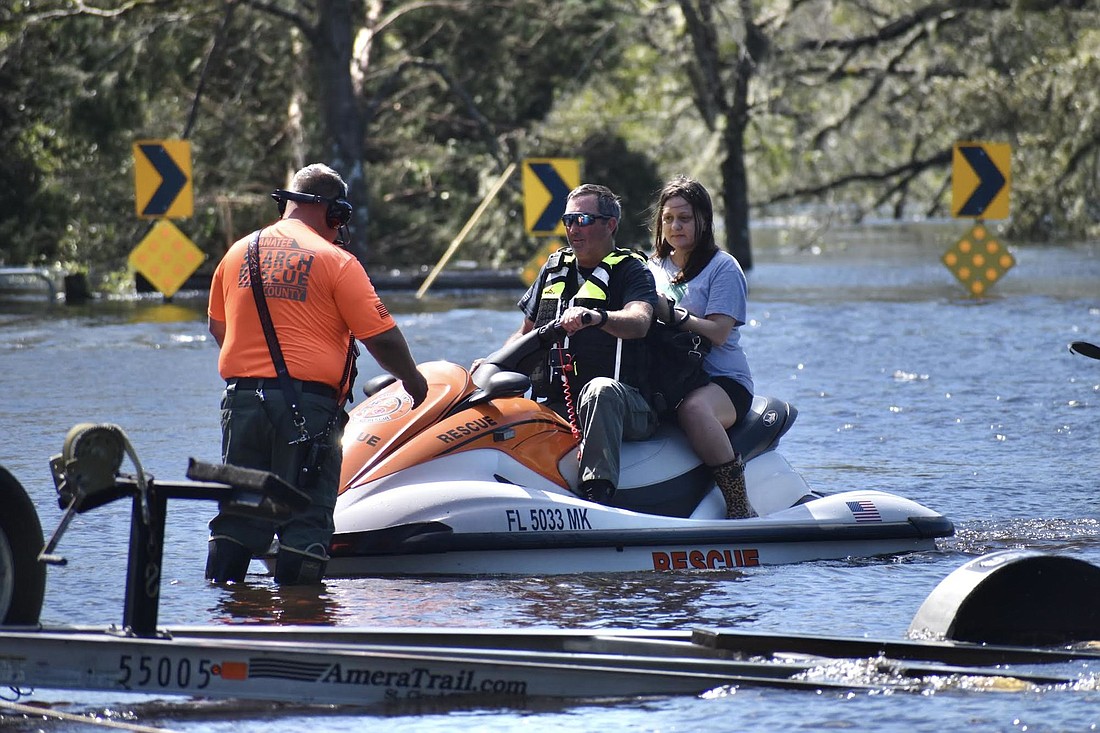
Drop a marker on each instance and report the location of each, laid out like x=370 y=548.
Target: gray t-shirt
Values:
x=720 y=289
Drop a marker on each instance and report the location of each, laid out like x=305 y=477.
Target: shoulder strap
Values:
x=351 y=371
x=285 y=385
x=554 y=261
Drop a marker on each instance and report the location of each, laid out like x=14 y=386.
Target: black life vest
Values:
x=593 y=351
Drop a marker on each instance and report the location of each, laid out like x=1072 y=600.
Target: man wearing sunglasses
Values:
x=604 y=298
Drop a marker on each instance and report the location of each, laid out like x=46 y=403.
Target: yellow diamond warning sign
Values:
x=166 y=257
x=978 y=260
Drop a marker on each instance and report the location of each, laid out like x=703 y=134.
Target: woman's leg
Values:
x=705 y=415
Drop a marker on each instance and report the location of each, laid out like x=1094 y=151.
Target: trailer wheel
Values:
x=22 y=576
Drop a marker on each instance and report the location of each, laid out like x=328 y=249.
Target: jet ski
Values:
x=480 y=479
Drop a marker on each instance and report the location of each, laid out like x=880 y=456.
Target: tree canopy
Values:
x=837 y=109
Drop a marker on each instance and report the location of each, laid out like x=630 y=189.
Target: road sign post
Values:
x=546 y=184
x=981 y=179
x=162 y=187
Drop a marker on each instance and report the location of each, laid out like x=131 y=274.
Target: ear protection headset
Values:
x=337 y=215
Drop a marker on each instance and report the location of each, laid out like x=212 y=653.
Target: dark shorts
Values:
x=739 y=396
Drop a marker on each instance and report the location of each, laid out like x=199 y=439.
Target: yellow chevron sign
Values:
x=981 y=179
x=546 y=183
x=162 y=179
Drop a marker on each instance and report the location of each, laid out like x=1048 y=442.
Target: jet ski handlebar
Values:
x=553 y=332
x=518 y=355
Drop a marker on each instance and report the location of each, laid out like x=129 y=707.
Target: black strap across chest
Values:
x=286 y=385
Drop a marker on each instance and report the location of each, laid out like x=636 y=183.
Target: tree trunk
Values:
x=735 y=177
x=343 y=116
x=735 y=195
x=715 y=76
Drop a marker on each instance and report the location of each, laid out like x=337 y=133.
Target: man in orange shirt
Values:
x=320 y=300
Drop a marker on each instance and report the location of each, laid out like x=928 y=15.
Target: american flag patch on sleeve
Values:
x=382 y=311
x=864 y=511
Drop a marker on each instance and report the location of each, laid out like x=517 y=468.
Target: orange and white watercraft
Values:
x=480 y=479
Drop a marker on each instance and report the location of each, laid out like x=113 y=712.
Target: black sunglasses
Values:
x=583 y=220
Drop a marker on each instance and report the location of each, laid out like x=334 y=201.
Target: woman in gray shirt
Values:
x=704 y=291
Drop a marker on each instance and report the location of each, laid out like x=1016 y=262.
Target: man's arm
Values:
x=391 y=351
x=632 y=322
x=217 y=329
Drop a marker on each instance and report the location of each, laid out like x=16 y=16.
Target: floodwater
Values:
x=903 y=382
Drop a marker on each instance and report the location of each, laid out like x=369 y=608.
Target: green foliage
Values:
x=873 y=121
x=488 y=72
x=845 y=116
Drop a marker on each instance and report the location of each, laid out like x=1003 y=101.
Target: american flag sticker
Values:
x=382 y=311
x=864 y=511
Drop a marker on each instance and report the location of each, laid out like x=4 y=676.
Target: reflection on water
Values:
x=623 y=599
x=270 y=604
x=167 y=313
x=560 y=601
x=599 y=600
x=1071 y=536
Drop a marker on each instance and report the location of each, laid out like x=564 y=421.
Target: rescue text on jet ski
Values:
x=479 y=479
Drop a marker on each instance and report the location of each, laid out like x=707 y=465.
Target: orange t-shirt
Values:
x=317 y=294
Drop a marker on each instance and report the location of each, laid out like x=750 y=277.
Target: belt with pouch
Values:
x=252 y=383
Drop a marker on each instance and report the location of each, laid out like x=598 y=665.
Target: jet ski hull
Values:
x=522 y=532
x=479 y=480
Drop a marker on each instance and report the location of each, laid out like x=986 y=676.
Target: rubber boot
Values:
x=226 y=560
x=300 y=567
x=730 y=478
